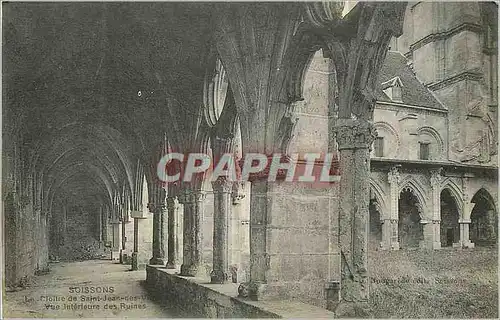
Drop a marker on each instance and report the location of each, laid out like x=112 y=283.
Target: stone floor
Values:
x=49 y=295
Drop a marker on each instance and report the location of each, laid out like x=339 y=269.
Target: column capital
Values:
x=462 y=221
x=156 y=207
x=354 y=134
x=436 y=177
x=222 y=185
x=171 y=202
x=393 y=175
x=189 y=196
x=237 y=194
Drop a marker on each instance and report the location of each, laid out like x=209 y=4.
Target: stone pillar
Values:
x=354 y=138
x=259 y=259
x=115 y=238
x=464 y=234
x=436 y=224
x=159 y=220
x=392 y=225
x=105 y=226
x=436 y=179
x=429 y=232
x=179 y=230
x=135 y=254
x=464 y=226
x=192 y=233
x=123 y=241
x=99 y=226
x=385 y=244
x=222 y=206
x=236 y=235
x=172 y=233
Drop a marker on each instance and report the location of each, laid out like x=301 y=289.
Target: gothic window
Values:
x=379 y=147
x=424 y=150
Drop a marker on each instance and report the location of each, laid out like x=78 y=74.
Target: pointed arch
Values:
x=456 y=193
x=484 y=219
x=380 y=196
x=416 y=189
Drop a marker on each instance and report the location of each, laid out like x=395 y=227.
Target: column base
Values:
x=252 y=290
x=352 y=310
x=115 y=255
x=425 y=245
x=236 y=274
x=191 y=270
x=171 y=265
x=219 y=276
x=466 y=245
x=157 y=261
x=332 y=290
x=134 y=261
x=395 y=246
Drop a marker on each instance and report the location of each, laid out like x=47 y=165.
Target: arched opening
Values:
x=375 y=226
x=410 y=229
x=450 y=229
x=484 y=226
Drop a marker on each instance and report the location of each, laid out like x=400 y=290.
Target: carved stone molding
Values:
x=187 y=197
x=436 y=177
x=222 y=185
x=171 y=205
x=156 y=207
x=237 y=194
x=393 y=176
x=354 y=134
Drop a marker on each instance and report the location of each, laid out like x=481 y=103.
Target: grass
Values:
x=447 y=283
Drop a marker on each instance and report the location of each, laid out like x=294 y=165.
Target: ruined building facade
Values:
x=434 y=162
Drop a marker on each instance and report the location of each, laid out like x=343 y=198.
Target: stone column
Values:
x=192 y=233
x=123 y=241
x=354 y=138
x=464 y=226
x=115 y=235
x=135 y=254
x=159 y=216
x=392 y=228
x=464 y=234
x=436 y=179
x=436 y=224
x=429 y=231
x=179 y=230
x=105 y=226
x=236 y=235
x=385 y=244
x=172 y=233
x=222 y=206
x=99 y=226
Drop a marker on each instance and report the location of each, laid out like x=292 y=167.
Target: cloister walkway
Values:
x=86 y=281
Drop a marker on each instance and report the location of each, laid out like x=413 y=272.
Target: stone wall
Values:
x=194 y=298
x=301 y=239
x=80 y=240
x=404 y=127
x=449 y=48
x=26 y=244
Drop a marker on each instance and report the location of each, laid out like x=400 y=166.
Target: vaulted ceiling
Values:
x=86 y=87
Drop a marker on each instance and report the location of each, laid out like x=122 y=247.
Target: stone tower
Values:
x=452 y=47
